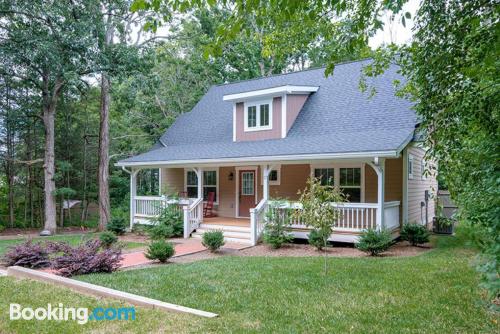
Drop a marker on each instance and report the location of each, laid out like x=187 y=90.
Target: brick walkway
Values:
x=182 y=247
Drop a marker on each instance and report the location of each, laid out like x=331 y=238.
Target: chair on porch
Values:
x=209 y=205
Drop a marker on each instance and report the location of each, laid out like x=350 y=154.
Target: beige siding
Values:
x=293 y=179
x=172 y=180
x=393 y=181
x=227 y=191
x=417 y=187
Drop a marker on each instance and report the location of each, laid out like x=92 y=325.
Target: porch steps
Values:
x=237 y=234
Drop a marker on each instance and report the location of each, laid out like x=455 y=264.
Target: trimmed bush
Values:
x=276 y=229
x=171 y=216
x=29 y=254
x=107 y=239
x=374 y=242
x=85 y=259
x=213 y=240
x=160 y=232
x=318 y=238
x=416 y=234
x=160 y=250
x=117 y=225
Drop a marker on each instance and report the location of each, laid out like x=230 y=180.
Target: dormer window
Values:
x=258 y=115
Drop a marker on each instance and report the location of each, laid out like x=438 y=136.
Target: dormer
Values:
x=267 y=113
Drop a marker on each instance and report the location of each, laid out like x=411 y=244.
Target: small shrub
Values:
x=276 y=229
x=107 y=239
x=318 y=238
x=2 y=228
x=85 y=259
x=416 y=234
x=160 y=250
x=160 y=232
x=140 y=229
x=213 y=240
x=28 y=254
x=117 y=225
x=172 y=217
x=374 y=242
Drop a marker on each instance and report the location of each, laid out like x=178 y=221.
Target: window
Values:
x=258 y=115
x=209 y=184
x=274 y=177
x=410 y=167
x=325 y=175
x=148 y=182
x=247 y=183
x=350 y=183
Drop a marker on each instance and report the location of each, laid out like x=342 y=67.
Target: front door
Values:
x=247 y=192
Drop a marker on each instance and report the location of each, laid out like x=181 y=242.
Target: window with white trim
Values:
x=325 y=175
x=350 y=183
x=258 y=115
x=209 y=184
x=410 y=167
x=274 y=177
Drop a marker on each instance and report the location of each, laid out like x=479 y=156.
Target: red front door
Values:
x=247 y=192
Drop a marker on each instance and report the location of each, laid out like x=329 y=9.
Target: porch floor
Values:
x=228 y=221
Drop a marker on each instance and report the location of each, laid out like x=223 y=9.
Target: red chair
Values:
x=209 y=205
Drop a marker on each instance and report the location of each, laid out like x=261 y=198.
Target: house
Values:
x=251 y=141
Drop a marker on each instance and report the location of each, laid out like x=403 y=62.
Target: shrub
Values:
x=416 y=234
x=107 y=239
x=318 y=238
x=213 y=240
x=140 y=229
x=171 y=216
x=117 y=225
x=374 y=242
x=159 y=232
x=85 y=259
x=276 y=229
x=160 y=250
x=28 y=254
x=2 y=228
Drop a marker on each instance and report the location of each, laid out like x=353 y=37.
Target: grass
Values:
x=435 y=292
x=72 y=239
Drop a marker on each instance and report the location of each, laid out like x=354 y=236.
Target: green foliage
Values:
x=277 y=227
x=172 y=217
x=318 y=238
x=374 y=242
x=141 y=229
x=117 y=225
x=414 y=233
x=213 y=240
x=2 y=228
x=107 y=239
x=160 y=232
x=160 y=250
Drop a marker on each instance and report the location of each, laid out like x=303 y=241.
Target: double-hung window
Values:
x=258 y=115
x=209 y=184
x=350 y=183
x=325 y=175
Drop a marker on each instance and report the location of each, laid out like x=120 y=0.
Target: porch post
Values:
x=381 y=194
x=199 y=174
x=133 y=193
x=265 y=173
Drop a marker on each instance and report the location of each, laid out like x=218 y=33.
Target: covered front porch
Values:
x=244 y=192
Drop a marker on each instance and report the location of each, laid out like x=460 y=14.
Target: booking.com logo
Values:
x=79 y=314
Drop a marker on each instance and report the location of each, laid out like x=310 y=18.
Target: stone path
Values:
x=182 y=247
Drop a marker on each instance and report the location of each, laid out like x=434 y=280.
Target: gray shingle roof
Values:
x=338 y=118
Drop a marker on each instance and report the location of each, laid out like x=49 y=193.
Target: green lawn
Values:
x=72 y=239
x=435 y=292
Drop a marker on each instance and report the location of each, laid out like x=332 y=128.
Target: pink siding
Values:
x=274 y=133
x=294 y=104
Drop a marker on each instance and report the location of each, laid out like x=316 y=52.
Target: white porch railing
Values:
x=151 y=206
x=391 y=215
x=257 y=221
x=193 y=216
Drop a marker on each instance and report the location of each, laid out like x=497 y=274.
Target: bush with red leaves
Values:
x=28 y=254
x=85 y=259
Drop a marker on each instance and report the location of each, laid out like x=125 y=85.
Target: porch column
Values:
x=133 y=193
x=266 y=170
x=199 y=175
x=379 y=166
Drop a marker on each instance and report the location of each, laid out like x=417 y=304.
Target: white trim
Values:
x=411 y=167
x=262 y=159
x=234 y=122
x=257 y=105
x=275 y=91
x=283 y=115
x=237 y=187
x=336 y=174
x=159 y=180
x=404 y=209
x=272 y=183
x=423 y=167
x=216 y=169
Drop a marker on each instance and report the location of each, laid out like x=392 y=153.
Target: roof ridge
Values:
x=294 y=72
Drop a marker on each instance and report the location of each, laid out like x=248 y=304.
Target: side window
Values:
x=410 y=167
x=350 y=183
x=258 y=116
x=325 y=175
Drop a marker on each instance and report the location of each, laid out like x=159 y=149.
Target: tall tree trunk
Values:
x=104 y=205
x=49 y=166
